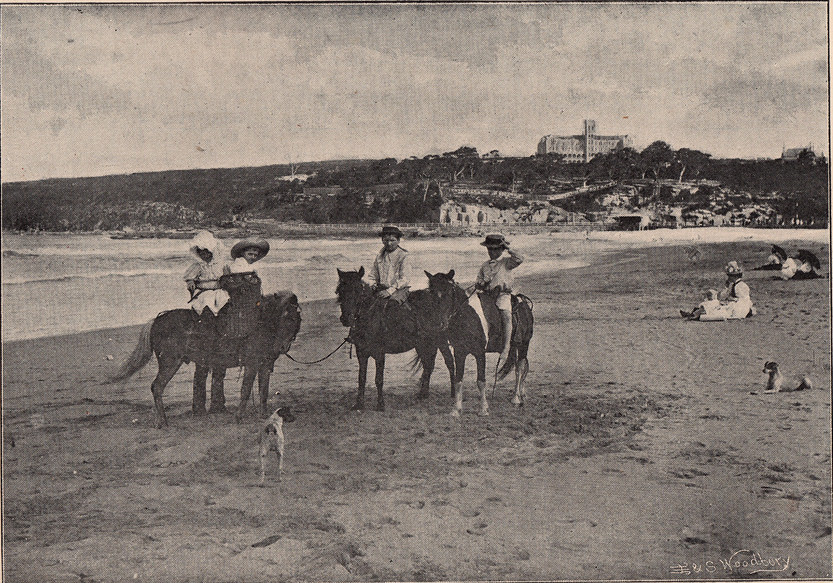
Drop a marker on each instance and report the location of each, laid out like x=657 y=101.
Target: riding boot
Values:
x=506 y=316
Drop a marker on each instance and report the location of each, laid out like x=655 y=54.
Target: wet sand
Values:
x=640 y=453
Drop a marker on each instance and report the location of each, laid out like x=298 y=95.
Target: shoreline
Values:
x=367 y=230
x=591 y=248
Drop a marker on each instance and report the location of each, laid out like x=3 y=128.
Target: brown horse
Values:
x=169 y=336
x=399 y=329
x=466 y=336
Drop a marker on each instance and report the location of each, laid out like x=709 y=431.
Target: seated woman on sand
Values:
x=802 y=266
x=734 y=300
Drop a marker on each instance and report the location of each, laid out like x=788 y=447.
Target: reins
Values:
x=343 y=342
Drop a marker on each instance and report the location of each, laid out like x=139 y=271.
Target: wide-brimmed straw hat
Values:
x=495 y=242
x=390 y=230
x=241 y=246
x=733 y=268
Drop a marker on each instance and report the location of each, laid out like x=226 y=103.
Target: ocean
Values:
x=55 y=284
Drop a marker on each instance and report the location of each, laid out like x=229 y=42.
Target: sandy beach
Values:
x=640 y=453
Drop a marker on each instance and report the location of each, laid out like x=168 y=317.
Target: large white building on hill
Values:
x=583 y=147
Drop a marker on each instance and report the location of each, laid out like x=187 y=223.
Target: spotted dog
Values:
x=271 y=438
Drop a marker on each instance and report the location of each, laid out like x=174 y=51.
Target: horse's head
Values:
x=349 y=293
x=280 y=316
x=450 y=296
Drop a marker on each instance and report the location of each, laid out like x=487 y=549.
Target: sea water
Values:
x=54 y=284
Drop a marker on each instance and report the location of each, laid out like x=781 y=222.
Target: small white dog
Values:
x=271 y=438
x=775 y=381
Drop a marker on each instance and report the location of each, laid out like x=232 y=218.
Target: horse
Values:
x=466 y=336
x=400 y=329
x=167 y=336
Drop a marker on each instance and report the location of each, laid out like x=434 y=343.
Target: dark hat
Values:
x=390 y=230
x=495 y=241
x=241 y=246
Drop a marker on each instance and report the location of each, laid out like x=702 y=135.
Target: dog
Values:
x=271 y=438
x=775 y=382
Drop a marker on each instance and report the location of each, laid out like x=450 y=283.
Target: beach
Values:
x=640 y=453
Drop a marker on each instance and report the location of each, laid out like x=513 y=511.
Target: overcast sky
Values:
x=99 y=90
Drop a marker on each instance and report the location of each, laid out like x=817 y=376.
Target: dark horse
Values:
x=400 y=329
x=168 y=337
x=466 y=335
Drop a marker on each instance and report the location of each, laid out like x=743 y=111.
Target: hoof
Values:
x=456 y=413
x=422 y=395
x=199 y=412
x=380 y=406
x=357 y=407
x=483 y=413
x=215 y=409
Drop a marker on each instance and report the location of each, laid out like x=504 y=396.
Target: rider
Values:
x=390 y=278
x=203 y=276
x=496 y=276
x=246 y=252
x=391 y=269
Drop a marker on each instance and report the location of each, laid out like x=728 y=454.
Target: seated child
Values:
x=203 y=276
x=246 y=252
x=709 y=304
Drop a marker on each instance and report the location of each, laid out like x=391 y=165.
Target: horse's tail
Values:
x=510 y=363
x=521 y=336
x=415 y=364
x=138 y=358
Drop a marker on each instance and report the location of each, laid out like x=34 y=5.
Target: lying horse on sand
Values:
x=173 y=337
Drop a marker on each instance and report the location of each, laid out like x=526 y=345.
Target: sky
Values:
x=93 y=90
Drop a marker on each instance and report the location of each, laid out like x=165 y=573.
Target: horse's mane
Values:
x=364 y=287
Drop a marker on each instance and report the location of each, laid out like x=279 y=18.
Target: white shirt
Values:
x=497 y=273
x=391 y=270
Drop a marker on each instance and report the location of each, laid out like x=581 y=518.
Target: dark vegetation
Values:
x=409 y=190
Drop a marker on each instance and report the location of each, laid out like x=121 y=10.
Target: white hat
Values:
x=205 y=240
x=732 y=268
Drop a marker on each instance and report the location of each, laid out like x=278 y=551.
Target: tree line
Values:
x=195 y=198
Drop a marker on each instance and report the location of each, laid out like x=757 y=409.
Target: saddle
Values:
x=387 y=316
x=222 y=339
x=521 y=319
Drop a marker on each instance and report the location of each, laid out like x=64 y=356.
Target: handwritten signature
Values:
x=743 y=562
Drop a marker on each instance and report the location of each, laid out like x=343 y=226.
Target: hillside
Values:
x=658 y=180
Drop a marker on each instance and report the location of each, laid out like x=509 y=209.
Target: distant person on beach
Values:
x=495 y=276
x=203 y=276
x=247 y=252
x=802 y=265
x=391 y=273
x=734 y=300
x=709 y=305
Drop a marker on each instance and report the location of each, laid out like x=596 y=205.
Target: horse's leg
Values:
x=457 y=388
x=249 y=373
x=521 y=368
x=449 y=363
x=480 y=359
x=198 y=402
x=218 y=394
x=427 y=356
x=362 y=358
x=380 y=381
x=263 y=375
x=167 y=370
